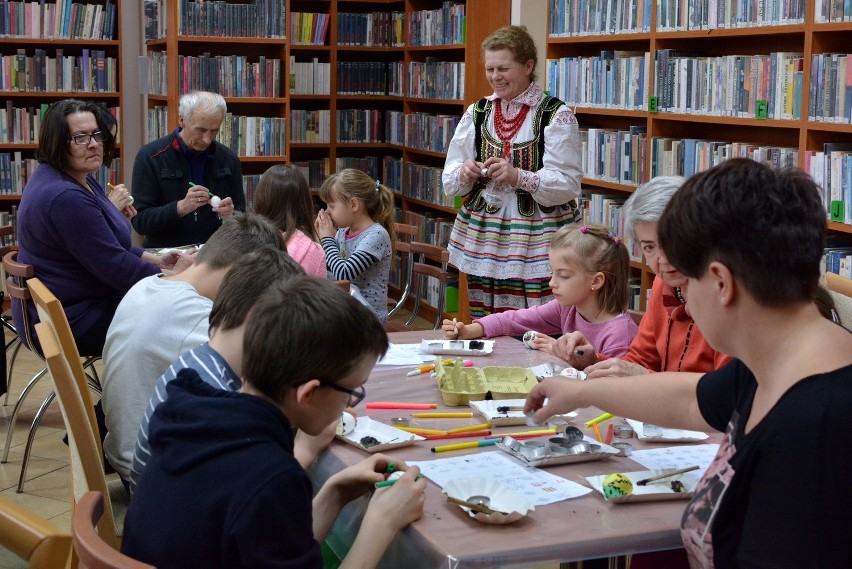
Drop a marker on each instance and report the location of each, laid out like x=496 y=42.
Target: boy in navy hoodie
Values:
x=222 y=487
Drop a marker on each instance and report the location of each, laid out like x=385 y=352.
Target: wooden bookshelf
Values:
x=27 y=44
x=801 y=132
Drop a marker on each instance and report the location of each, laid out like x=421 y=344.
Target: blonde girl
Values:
x=357 y=232
x=283 y=196
x=589 y=281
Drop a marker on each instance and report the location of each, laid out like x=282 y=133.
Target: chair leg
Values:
x=402 y=298
x=416 y=308
x=28 y=449
x=14 y=416
x=9 y=371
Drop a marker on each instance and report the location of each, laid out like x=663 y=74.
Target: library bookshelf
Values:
x=667 y=87
x=52 y=51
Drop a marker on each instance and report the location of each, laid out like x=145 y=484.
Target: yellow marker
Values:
x=599 y=419
x=443 y=415
x=424 y=431
x=479 y=427
x=525 y=433
x=473 y=444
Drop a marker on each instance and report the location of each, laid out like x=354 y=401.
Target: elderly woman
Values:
x=516 y=156
x=668 y=339
x=78 y=241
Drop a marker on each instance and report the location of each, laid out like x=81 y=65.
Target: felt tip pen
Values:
x=597 y=432
x=443 y=415
x=420 y=431
x=599 y=419
x=457 y=435
x=478 y=427
x=472 y=444
x=609 y=432
x=396 y=405
x=536 y=432
x=391 y=482
x=426 y=368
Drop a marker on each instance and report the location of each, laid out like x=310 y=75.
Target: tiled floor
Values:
x=47 y=491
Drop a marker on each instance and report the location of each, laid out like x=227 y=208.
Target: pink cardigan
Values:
x=307 y=253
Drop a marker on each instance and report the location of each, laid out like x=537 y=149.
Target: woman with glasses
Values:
x=77 y=241
x=515 y=156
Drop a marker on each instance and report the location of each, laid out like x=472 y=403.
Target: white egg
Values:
x=396 y=474
x=215 y=201
x=346 y=425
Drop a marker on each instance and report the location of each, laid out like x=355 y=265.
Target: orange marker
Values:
x=597 y=432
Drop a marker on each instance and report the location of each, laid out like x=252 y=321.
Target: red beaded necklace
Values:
x=507 y=129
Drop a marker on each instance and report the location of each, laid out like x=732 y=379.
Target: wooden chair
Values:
x=94 y=552
x=839 y=284
x=423 y=270
x=32 y=538
x=344 y=285
x=404 y=236
x=636 y=315
x=72 y=390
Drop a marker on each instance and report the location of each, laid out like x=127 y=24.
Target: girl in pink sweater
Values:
x=282 y=195
x=589 y=267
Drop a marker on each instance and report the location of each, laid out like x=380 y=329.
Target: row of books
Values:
x=15 y=170
x=730 y=85
x=91 y=71
x=685 y=157
x=157 y=122
x=832 y=11
x=254 y=136
x=310 y=127
x=254 y=19
x=593 y=17
x=432 y=79
x=230 y=75
x=360 y=126
x=250 y=182
x=614 y=155
x=315 y=171
x=423 y=131
x=831 y=87
x=63 y=19
x=9 y=218
x=362 y=77
x=615 y=79
x=441 y=26
x=423 y=182
x=678 y=15
x=431 y=227
x=308 y=28
x=23 y=125
x=831 y=169
x=309 y=77
x=376 y=29
x=369 y=164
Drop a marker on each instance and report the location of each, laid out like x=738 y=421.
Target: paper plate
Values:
x=663 y=435
x=504 y=500
x=389 y=437
x=653 y=491
x=456 y=347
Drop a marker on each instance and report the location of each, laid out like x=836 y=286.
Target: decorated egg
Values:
x=529 y=339
x=346 y=425
x=396 y=474
x=215 y=201
x=616 y=485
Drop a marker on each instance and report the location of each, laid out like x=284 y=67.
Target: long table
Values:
x=582 y=528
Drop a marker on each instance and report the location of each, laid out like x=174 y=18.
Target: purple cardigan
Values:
x=612 y=337
x=79 y=244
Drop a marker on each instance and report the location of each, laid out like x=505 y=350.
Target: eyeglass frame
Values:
x=93 y=136
x=355 y=397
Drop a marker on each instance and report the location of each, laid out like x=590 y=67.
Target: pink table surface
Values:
x=582 y=528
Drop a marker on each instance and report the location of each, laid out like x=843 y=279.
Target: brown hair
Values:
x=283 y=196
x=599 y=251
x=239 y=235
x=54 y=136
x=517 y=40
x=376 y=197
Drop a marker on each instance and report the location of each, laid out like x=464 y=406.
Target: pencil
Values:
x=597 y=432
x=460 y=446
x=443 y=415
x=478 y=427
x=455 y=328
x=645 y=481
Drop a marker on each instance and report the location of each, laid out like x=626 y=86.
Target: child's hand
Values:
x=544 y=343
x=575 y=349
x=324 y=225
x=614 y=367
x=360 y=478
x=400 y=504
x=454 y=330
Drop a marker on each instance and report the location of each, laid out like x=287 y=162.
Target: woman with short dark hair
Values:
x=77 y=241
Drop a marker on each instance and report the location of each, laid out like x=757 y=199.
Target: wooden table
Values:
x=582 y=528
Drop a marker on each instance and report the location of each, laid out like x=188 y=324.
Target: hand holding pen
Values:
x=455 y=330
x=575 y=349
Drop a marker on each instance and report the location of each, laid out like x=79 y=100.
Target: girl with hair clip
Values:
x=590 y=268
x=357 y=232
x=283 y=196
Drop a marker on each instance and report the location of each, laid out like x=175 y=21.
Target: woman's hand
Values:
x=324 y=225
x=501 y=170
x=470 y=171
x=168 y=260
x=562 y=396
x=120 y=197
x=614 y=367
x=575 y=349
x=129 y=211
x=454 y=330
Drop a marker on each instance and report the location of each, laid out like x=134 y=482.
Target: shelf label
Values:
x=761 y=109
x=837 y=210
x=652 y=104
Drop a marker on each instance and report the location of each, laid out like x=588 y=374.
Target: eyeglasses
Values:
x=85 y=139
x=355 y=395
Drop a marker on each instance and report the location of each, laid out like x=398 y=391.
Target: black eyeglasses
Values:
x=84 y=139
x=355 y=395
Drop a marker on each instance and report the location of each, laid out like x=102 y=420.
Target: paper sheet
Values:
x=661 y=434
x=681 y=456
x=405 y=355
x=537 y=486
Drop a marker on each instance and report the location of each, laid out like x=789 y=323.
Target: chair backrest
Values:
x=839 y=284
x=423 y=252
x=16 y=287
x=840 y=289
x=94 y=552
x=344 y=285
x=87 y=467
x=404 y=236
x=32 y=538
x=636 y=315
